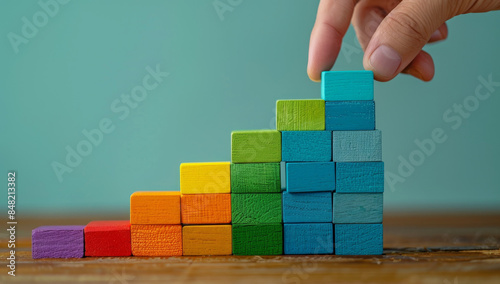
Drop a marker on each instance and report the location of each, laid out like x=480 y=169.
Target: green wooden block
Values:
x=255 y=178
x=258 y=239
x=256 y=146
x=256 y=208
x=300 y=115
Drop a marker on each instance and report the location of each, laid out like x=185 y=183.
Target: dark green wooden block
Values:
x=256 y=208
x=255 y=178
x=266 y=239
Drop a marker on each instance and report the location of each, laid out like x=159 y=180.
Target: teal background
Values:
x=224 y=75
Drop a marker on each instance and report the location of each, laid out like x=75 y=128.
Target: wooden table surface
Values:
x=418 y=248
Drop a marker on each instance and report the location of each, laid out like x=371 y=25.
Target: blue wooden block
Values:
x=359 y=239
x=350 y=115
x=347 y=85
x=359 y=177
x=357 y=146
x=306 y=146
x=310 y=207
x=359 y=208
x=315 y=238
x=310 y=177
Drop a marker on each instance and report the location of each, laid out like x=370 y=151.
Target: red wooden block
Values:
x=107 y=238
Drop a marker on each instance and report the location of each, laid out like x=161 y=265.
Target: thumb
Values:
x=402 y=34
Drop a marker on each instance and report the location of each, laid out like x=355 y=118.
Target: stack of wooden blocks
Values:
x=327 y=152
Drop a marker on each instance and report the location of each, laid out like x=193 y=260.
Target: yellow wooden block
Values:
x=198 y=178
x=207 y=240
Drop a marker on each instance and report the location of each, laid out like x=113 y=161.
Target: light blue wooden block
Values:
x=362 y=208
x=350 y=115
x=357 y=146
x=347 y=85
x=359 y=239
x=359 y=177
x=311 y=207
x=306 y=146
x=310 y=177
x=308 y=238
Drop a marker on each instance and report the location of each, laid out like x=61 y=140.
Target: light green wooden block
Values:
x=256 y=146
x=300 y=115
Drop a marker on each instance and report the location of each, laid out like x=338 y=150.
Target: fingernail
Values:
x=385 y=61
x=436 y=35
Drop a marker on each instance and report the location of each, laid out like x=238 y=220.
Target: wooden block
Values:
x=57 y=242
x=357 y=146
x=256 y=146
x=310 y=177
x=360 y=177
x=350 y=115
x=198 y=178
x=206 y=208
x=256 y=208
x=347 y=85
x=359 y=239
x=264 y=239
x=310 y=207
x=155 y=207
x=107 y=238
x=255 y=178
x=300 y=115
x=306 y=146
x=312 y=238
x=360 y=208
x=156 y=240
x=207 y=240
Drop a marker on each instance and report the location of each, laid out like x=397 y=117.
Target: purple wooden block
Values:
x=58 y=242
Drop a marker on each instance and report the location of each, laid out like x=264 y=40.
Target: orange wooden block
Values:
x=155 y=207
x=156 y=240
x=207 y=240
x=206 y=208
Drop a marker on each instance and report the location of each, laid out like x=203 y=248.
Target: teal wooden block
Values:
x=350 y=115
x=359 y=239
x=314 y=238
x=357 y=146
x=255 y=178
x=306 y=146
x=347 y=85
x=310 y=177
x=300 y=115
x=310 y=207
x=357 y=208
x=256 y=208
x=256 y=146
x=359 y=177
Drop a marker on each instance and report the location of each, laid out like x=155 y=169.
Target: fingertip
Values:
x=422 y=67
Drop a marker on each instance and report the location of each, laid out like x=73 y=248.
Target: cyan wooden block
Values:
x=357 y=208
x=310 y=177
x=310 y=207
x=347 y=85
x=306 y=146
x=359 y=239
x=357 y=146
x=255 y=146
x=308 y=238
x=359 y=177
x=300 y=115
x=350 y=115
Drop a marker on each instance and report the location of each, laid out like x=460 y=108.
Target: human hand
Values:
x=391 y=32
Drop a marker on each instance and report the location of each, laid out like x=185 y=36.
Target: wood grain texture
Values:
x=263 y=239
x=310 y=177
x=198 y=178
x=300 y=115
x=256 y=208
x=155 y=207
x=358 y=239
x=306 y=146
x=255 y=178
x=350 y=115
x=256 y=146
x=357 y=208
x=312 y=238
x=357 y=146
x=347 y=85
x=207 y=240
x=206 y=208
x=310 y=207
x=58 y=242
x=359 y=177
x=107 y=238
x=156 y=240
